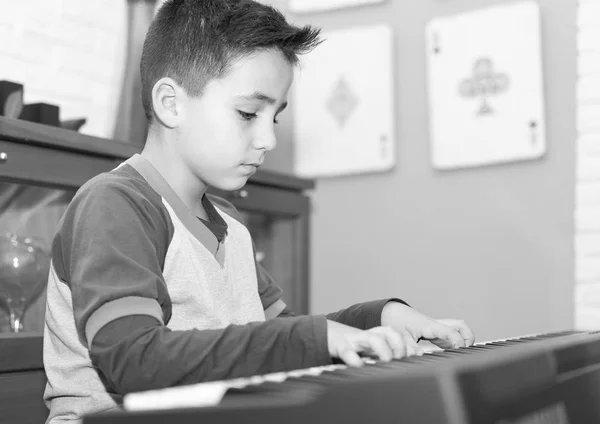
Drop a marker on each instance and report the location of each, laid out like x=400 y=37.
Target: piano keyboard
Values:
x=331 y=373
x=280 y=377
x=440 y=387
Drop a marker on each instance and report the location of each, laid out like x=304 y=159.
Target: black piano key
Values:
x=506 y=343
x=425 y=358
x=450 y=352
x=479 y=347
x=517 y=341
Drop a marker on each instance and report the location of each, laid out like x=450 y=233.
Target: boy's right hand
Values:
x=385 y=343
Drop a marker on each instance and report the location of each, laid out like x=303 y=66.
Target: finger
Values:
x=350 y=357
x=412 y=348
x=462 y=328
x=466 y=332
x=395 y=341
x=444 y=336
x=375 y=342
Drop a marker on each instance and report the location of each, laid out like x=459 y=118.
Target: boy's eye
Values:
x=246 y=115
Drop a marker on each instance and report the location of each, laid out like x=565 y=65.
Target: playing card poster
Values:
x=485 y=86
x=311 y=6
x=343 y=104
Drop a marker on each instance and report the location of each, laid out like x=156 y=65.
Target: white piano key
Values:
x=276 y=377
x=191 y=396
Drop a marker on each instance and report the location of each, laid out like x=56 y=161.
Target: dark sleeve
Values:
x=362 y=315
x=137 y=353
x=270 y=293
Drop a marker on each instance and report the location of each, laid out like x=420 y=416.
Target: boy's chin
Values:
x=232 y=184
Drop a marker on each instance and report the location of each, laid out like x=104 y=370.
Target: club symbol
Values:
x=484 y=82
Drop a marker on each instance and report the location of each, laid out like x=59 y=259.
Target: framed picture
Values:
x=311 y=6
x=343 y=104
x=486 y=97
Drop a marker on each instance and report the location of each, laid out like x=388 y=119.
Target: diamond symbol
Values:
x=342 y=102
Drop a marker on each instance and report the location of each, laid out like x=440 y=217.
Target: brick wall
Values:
x=66 y=52
x=587 y=201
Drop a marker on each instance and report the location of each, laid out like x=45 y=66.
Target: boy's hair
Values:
x=195 y=41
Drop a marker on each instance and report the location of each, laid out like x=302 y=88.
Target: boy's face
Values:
x=228 y=130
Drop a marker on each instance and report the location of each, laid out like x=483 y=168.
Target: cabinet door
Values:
x=27 y=212
x=21 y=397
x=36 y=185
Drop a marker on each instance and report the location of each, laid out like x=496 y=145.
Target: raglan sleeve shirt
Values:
x=110 y=250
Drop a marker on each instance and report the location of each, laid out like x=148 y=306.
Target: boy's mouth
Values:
x=251 y=167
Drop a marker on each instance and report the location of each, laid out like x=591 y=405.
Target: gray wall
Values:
x=491 y=245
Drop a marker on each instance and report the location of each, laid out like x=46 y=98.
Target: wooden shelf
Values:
x=47 y=136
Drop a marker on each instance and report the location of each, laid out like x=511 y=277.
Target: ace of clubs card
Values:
x=485 y=86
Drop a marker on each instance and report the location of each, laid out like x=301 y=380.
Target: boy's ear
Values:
x=167 y=101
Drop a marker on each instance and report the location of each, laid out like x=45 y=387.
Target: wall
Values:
x=587 y=215
x=69 y=53
x=493 y=246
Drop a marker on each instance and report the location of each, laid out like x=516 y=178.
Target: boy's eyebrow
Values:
x=257 y=95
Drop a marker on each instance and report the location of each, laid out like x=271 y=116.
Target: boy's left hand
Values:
x=445 y=333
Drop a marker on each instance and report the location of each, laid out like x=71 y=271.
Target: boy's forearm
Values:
x=156 y=357
x=362 y=315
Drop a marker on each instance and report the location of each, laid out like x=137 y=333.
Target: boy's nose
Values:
x=265 y=140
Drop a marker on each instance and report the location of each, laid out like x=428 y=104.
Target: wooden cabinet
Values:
x=41 y=168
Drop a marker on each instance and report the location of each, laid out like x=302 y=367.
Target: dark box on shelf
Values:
x=42 y=113
x=11 y=99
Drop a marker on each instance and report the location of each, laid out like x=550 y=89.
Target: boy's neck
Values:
x=187 y=187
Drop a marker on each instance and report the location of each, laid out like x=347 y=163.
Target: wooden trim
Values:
x=302 y=261
x=38 y=165
x=21 y=352
x=255 y=198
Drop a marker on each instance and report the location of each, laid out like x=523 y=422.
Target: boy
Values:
x=153 y=283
